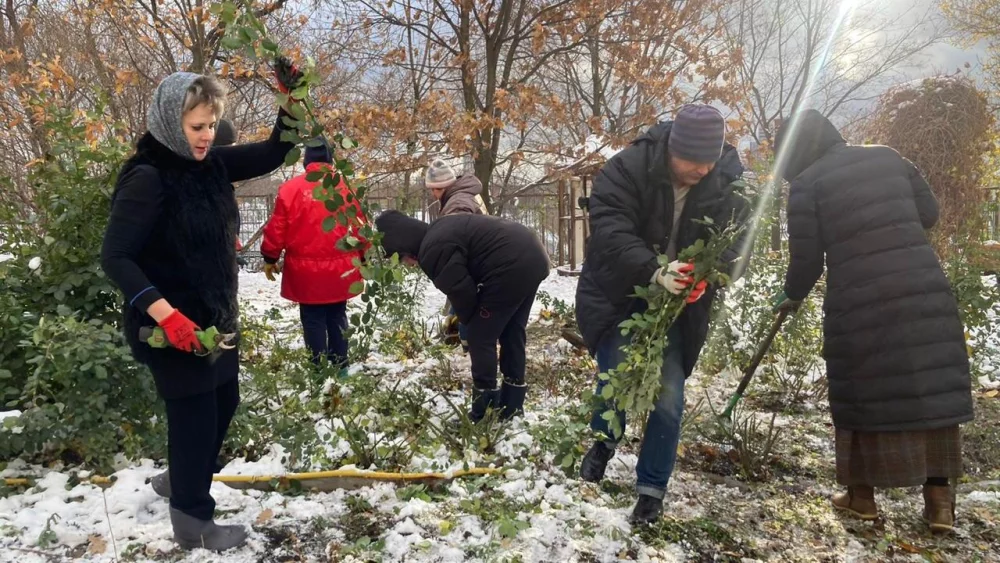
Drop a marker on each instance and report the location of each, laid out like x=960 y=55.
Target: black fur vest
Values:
x=190 y=256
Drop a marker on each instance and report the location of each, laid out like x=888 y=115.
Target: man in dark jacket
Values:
x=893 y=340
x=646 y=201
x=490 y=269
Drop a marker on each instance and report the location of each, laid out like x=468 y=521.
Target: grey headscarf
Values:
x=167 y=111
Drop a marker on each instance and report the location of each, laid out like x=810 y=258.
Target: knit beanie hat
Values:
x=400 y=234
x=697 y=134
x=166 y=113
x=439 y=175
x=225 y=133
x=319 y=153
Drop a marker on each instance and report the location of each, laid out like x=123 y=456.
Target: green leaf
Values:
x=331 y=206
x=293 y=156
x=101 y=372
x=329 y=224
x=319 y=193
x=607 y=392
x=348 y=143
x=315 y=176
x=268 y=45
x=231 y=43
x=356 y=287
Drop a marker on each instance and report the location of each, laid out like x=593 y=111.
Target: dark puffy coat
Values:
x=478 y=261
x=631 y=217
x=172 y=235
x=893 y=342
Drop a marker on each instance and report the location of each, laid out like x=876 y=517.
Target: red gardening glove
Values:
x=180 y=332
x=286 y=74
x=698 y=291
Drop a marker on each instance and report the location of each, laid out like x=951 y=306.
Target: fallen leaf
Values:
x=991 y=393
x=909 y=548
x=265 y=515
x=97 y=545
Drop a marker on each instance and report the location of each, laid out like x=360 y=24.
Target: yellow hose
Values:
x=352 y=473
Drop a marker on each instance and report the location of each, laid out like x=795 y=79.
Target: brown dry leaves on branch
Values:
x=944 y=125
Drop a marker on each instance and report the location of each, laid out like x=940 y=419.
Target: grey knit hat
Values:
x=166 y=112
x=697 y=134
x=439 y=175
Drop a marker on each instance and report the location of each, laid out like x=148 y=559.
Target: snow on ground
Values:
x=557 y=518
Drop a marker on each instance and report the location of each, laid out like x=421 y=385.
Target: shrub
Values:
x=83 y=399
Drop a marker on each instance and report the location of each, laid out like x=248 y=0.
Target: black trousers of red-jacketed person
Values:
x=505 y=325
x=196 y=428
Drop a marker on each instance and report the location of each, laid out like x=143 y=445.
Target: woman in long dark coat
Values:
x=170 y=246
x=893 y=340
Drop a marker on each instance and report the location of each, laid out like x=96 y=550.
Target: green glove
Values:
x=781 y=302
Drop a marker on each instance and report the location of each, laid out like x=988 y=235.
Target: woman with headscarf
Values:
x=893 y=340
x=170 y=246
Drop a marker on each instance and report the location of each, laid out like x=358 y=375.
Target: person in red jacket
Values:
x=314 y=268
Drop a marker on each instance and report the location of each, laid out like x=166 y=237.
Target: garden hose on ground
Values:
x=319 y=480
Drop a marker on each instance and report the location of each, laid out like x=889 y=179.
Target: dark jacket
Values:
x=481 y=262
x=893 y=342
x=631 y=217
x=463 y=197
x=478 y=261
x=172 y=235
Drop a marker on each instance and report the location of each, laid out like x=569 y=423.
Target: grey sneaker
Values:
x=191 y=533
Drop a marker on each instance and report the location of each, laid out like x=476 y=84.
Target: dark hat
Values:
x=400 y=234
x=225 y=133
x=697 y=134
x=320 y=153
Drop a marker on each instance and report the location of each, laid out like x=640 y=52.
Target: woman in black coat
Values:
x=170 y=247
x=893 y=340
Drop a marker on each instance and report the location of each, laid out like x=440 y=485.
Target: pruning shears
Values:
x=215 y=343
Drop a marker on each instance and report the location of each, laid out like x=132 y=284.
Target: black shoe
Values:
x=512 y=400
x=647 y=510
x=483 y=399
x=596 y=462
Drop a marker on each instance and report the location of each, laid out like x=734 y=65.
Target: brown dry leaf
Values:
x=265 y=515
x=97 y=545
x=991 y=393
x=909 y=548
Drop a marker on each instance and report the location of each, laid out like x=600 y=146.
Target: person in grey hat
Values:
x=646 y=201
x=170 y=246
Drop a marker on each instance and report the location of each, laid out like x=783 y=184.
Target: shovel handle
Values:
x=761 y=351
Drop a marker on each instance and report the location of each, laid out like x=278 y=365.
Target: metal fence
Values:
x=537 y=211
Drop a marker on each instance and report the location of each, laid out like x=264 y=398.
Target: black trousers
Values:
x=196 y=428
x=323 y=327
x=505 y=325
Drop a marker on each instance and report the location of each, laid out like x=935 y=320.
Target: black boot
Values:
x=596 y=462
x=483 y=399
x=647 y=510
x=191 y=533
x=512 y=399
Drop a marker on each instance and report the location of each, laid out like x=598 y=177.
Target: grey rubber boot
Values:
x=161 y=484
x=191 y=533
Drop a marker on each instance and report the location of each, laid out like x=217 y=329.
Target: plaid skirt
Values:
x=897 y=459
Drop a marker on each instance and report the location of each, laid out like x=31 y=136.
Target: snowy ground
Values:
x=532 y=512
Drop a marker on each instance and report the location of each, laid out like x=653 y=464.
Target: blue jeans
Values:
x=323 y=327
x=659 y=444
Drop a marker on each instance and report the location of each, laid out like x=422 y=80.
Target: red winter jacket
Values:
x=314 y=268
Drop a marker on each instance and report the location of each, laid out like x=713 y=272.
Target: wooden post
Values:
x=560 y=191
